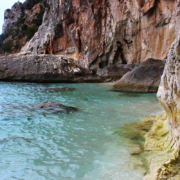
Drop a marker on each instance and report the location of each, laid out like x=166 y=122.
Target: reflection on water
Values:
x=78 y=145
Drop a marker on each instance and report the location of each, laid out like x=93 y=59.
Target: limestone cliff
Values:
x=102 y=32
x=169 y=92
x=163 y=140
x=20 y=24
x=11 y=16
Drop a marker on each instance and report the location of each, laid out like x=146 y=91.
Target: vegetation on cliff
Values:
x=25 y=27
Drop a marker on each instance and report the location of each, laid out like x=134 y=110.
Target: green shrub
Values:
x=16 y=32
x=46 y=5
x=7 y=46
x=31 y=3
x=24 y=27
x=31 y=31
x=20 y=21
x=4 y=36
x=17 y=44
x=38 y=20
x=20 y=28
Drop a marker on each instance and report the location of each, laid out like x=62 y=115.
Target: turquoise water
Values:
x=80 y=145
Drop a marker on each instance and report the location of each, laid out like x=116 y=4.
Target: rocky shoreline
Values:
x=162 y=132
x=28 y=67
x=157 y=139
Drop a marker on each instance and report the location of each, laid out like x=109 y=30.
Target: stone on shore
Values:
x=44 y=68
x=143 y=78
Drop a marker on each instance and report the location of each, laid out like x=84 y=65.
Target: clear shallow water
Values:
x=78 y=145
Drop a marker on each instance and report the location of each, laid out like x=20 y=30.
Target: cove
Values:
x=79 y=145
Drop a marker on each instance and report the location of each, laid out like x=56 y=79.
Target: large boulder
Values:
x=44 y=68
x=143 y=78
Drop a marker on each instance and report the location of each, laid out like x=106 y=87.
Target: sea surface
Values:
x=44 y=145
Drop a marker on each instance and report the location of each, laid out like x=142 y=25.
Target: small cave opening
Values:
x=46 y=52
x=119 y=54
x=80 y=45
x=59 y=31
x=92 y=7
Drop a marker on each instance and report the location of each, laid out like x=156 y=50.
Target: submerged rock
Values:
x=65 y=89
x=150 y=141
x=14 y=138
x=48 y=105
x=134 y=136
x=144 y=78
x=129 y=95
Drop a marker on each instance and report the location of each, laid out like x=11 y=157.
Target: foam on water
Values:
x=80 y=145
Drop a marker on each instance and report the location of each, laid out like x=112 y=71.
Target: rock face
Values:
x=169 y=92
x=164 y=138
x=44 y=68
x=111 y=31
x=11 y=16
x=144 y=78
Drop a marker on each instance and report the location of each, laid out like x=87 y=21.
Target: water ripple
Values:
x=44 y=145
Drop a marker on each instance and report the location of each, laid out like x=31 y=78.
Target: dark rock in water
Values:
x=54 y=106
x=14 y=138
x=58 y=89
x=129 y=95
x=144 y=78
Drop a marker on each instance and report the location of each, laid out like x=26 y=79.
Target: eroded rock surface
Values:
x=163 y=140
x=144 y=78
x=169 y=92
